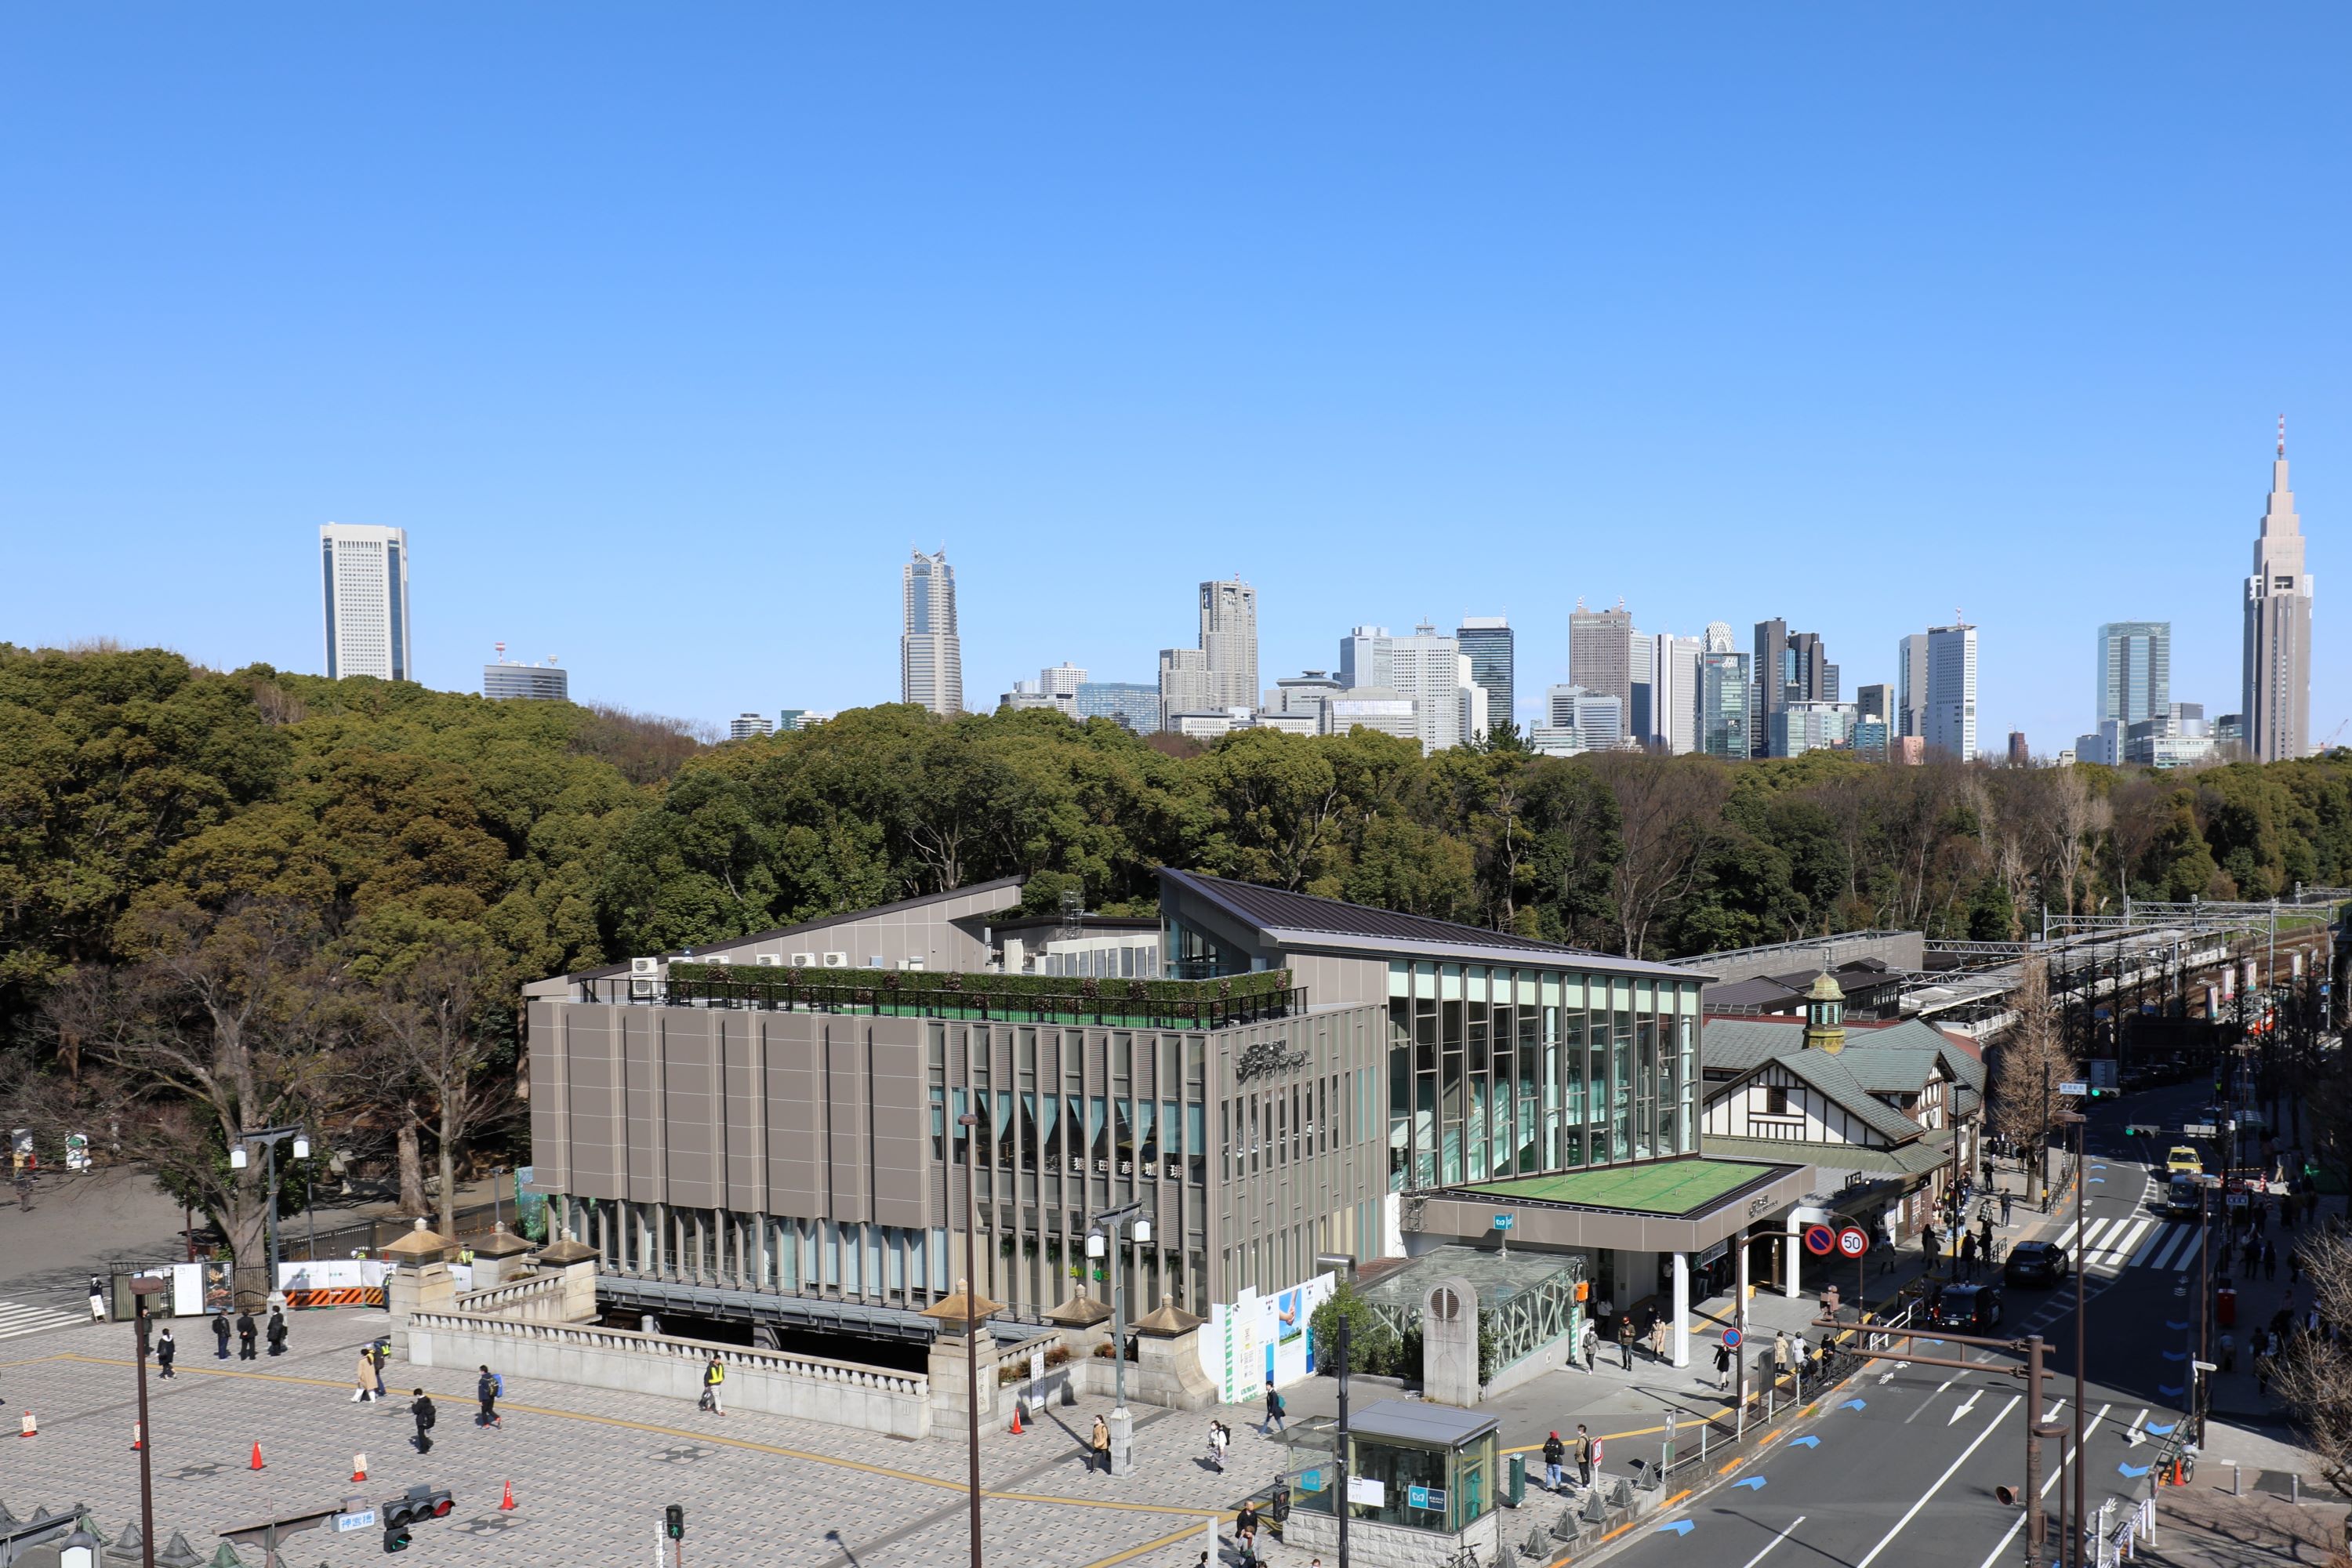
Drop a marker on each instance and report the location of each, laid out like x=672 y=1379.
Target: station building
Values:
x=1273 y=1077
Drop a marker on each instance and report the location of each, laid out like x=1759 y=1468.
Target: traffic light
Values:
x=674 y=1522
x=395 y=1536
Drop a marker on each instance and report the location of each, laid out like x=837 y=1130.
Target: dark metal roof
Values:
x=1276 y=910
x=1438 y=1425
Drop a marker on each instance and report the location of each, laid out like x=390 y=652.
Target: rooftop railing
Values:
x=1026 y=999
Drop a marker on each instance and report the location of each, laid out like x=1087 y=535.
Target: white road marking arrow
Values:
x=1965 y=1405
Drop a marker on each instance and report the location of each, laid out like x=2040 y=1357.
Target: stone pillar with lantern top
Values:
x=419 y=1281
x=1167 y=1360
x=962 y=1320
x=576 y=1261
x=499 y=1259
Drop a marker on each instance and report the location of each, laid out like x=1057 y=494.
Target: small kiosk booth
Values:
x=1422 y=1482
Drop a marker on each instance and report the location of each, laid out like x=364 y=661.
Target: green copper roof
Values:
x=1665 y=1187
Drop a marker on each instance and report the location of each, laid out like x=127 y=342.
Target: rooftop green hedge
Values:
x=915 y=985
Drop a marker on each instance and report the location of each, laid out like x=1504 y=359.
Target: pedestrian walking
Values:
x=1245 y=1527
x=246 y=1335
x=377 y=1353
x=1968 y=1255
x=713 y=1375
x=220 y=1335
x=1587 y=1456
x=487 y=1388
x=97 y=1300
x=1589 y=1346
x=1098 y=1447
x=2006 y=1199
x=1657 y=1338
x=1928 y=1244
x=166 y=1349
x=1784 y=1354
x=1722 y=1367
x=1554 y=1451
x=1625 y=1339
x=1220 y=1437
x=2270 y=1259
x=421 y=1411
x=277 y=1330
x=363 y=1381
x=1275 y=1410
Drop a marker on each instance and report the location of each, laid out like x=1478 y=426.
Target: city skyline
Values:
x=1936 y=387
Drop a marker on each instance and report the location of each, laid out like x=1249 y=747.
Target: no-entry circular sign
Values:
x=1818 y=1241
x=1852 y=1241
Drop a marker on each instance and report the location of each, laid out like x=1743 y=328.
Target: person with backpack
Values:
x=421 y=1411
x=1554 y=1451
x=277 y=1330
x=487 y=1388
x=712 y=1376
x=1275 y=1410
x=1098 y=1447
x=220 y=1335
x=1588 y=1454
x=1245 y=1530
x=1220 y=1437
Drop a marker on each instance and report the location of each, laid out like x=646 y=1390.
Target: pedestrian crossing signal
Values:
x=674 y=1522
x=396 y=1537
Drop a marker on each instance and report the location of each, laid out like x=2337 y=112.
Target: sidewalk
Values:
x=2199 y=1529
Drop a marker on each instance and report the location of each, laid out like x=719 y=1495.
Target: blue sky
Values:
x=666 y=332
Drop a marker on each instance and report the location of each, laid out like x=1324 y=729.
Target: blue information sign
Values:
x=1505 y=1221
x=1432 y=1498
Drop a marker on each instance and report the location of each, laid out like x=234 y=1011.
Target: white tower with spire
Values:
x=2276 y=693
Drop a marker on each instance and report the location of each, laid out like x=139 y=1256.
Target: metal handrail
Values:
x=874 y=1000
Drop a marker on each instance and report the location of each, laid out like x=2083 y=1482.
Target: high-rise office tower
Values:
x=1719 y=638
x=1427 y=668
x=1486 y=640
x=1187 y=685
x=1364 y=657
x=930 y=655
x=2134 y=670
x=1790 y=667
x=1724 y=697
x=365 y=596
x=1674 y=708
x=1229 y=637
x=1876 y=702
x=548 y=682
x=1950 y=722
x=1911 y=685
x=1061 y=680
x=2275 y=692
x=1600 y=652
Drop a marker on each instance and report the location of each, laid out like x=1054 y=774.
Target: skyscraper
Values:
x=1187 y=685
x=365 y=597
x=2275 y=692
x=1674 y=692
x=1876 y=702
x=1724 y=695
x=2134 y=670
x=1911 y=685
x=1950 y=722
x=1600 y=652
x=1229 y=637
x=1790 y=667
x=1364 y=657
x=1486 y=640
x=1428 y=669
x=930 y=655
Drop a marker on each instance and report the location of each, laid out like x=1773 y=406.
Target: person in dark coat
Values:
x=486 y=1389
x=277 y=1332
x=220 y=1334
x=421 y=1411
x=164 y=1351
x=246 y=1335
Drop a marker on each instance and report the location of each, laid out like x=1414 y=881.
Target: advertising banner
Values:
x=1258 y=1338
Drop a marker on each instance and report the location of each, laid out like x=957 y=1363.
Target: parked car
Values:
x=2184 y=1161
x=2035 y=1263
x=1967 y=1310
x=2131 y=1080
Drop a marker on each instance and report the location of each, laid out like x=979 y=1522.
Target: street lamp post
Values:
x=142 y=1287
x=269 y=1138
x=2081 y=1181
x=1102 y=1241
x=970 y=1122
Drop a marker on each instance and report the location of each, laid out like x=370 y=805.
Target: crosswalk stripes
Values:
x=15 y=1318
x=2176 y=1239
x=2113 y=1255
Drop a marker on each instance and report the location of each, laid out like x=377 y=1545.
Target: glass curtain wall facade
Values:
x=1497 y=1072
x=1723 y=703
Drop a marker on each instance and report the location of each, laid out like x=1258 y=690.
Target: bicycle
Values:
x=1466 y=1558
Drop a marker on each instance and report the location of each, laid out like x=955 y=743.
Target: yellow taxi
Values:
x=2184 y=1161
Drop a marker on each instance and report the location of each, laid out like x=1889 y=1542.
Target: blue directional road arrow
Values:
x=1805 y=1442
x=2134 y=1471
x=1756 y=1482
x=2176 y=1328
x=2176 y=1355
x=2168 y=1391
x=1854 y=1404
x=1679 y=1526
x=2163 y=1431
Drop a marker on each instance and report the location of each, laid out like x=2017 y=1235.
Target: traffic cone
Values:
x=1017 y=1419
x=507 y=1503
x=26 y=1428
x=257 y=1455
x=358 y=1467
x=135 y=1436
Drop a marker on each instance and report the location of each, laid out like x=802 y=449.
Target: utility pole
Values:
x=2080 y=1173
x=970 y=1122
x=2036 y=1532
x=1340 y=1445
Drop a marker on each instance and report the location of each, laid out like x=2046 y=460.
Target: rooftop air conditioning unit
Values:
x=910 y=964
x=768 y=960
x=874 y=961
x=644 y=973
x=837 y=961
x=803 y=961
x=719 y=958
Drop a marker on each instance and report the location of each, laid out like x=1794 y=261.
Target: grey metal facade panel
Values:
x=645 y=1129
x=690 y=1111
x=925 y=928
x=551 y=1109
x=848 y=1121
x=797 y=1167
x=744 y=1106
x=900 y=1154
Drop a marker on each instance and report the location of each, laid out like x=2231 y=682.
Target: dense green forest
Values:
x=230 y=897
